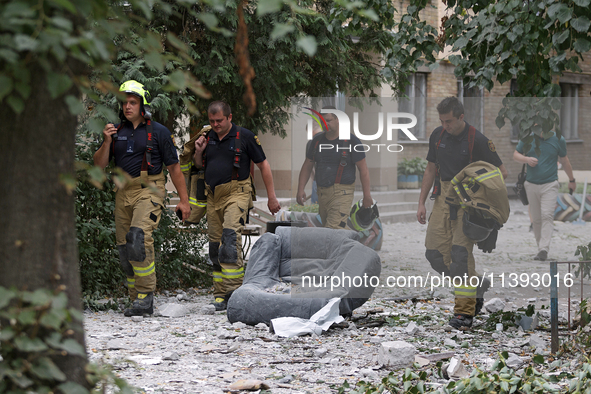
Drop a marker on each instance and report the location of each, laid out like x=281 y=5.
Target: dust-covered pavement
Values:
x=204 y=353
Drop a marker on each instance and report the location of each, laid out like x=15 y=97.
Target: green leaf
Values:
x=269 y=6
x=559 y=38
x=62 y=23
x=565 y=14
x=281 y=29
x=60 y=301
x=6 y=334
x=155 y=60
x=582 y=45
x=538 y=359
x=5 y=88
x=177 y=80
x=8 y=55
x=27 y=317
x=27 y=344
x=210 y=20
x=72 y=347
x=583 y=3
x=308 y=44
x=53 y=319
x=44 y=368
x=74 y=105
x=25 y=43
x=369 y=13
x=460 y=43
x=72 y=388
x=65 y=4
x=38 y=297
x=58 y=84
x=581 y=24
x=6 y=296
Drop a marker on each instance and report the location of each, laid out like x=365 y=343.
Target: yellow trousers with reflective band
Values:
x=137 y=213
x=334 y=205
x=450 y=252
x=227 y=209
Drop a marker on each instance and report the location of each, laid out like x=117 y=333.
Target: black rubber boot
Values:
x=461 y=322
x=142 y=305
x=220 y=304
x=483 y=288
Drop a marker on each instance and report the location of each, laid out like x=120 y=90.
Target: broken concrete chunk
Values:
x=456 y=369
x=116 y=344
x=248 y=384
x=173 y=310
x=494 y=305
x=537 y=342
x=514 y=361
x=411 y=328
x=208 y=310
x=396 y=354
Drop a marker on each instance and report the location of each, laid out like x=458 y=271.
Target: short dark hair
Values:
x=450 y=104
x=218 y=106
x=329 y=107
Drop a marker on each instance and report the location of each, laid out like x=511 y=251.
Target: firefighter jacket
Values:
x=194 y=179
x=480 y=186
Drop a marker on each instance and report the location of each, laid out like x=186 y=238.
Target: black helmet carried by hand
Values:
x=363 y=218
x=476 y=226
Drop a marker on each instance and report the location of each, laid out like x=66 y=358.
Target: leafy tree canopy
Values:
x=531 y=41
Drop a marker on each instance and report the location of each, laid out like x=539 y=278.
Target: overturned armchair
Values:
x=295 y=272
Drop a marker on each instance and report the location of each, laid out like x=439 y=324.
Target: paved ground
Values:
x=202 y=353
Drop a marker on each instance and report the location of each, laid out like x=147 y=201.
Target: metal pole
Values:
x=554 y=306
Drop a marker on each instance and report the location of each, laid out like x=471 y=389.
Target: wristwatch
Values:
x=571 y=180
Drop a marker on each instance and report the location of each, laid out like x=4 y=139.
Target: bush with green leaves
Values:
x=415 y=166
x=37 y=331
x=100 y=271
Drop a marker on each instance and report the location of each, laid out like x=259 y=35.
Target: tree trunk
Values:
x=38 y=247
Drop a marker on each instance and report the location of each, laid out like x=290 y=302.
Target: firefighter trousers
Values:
x=450 y=252
x=227 y=210
x=334 y=205
x=138 y=209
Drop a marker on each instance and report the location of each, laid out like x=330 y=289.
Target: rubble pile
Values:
x=187 y=347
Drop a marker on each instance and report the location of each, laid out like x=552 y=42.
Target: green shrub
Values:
x=414 y=166
x=40 y=332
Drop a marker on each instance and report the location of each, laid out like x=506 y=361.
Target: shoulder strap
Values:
x=437 y=183
x=237 y=152
x=147 y=162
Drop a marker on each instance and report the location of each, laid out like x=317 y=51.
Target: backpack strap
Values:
x=147 y=161
x=437 y=184
x=237 y=152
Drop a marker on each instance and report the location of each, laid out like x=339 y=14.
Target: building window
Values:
x=569 y=111
x=473 y=100
x=415 y=102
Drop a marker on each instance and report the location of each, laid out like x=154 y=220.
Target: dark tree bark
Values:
x=38 y=246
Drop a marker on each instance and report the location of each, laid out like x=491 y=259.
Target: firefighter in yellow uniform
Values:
x=225 y=155
x=452 y=147
x=334 y=162
x=140 y=147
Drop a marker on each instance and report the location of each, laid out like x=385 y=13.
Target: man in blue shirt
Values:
x=541 y=186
